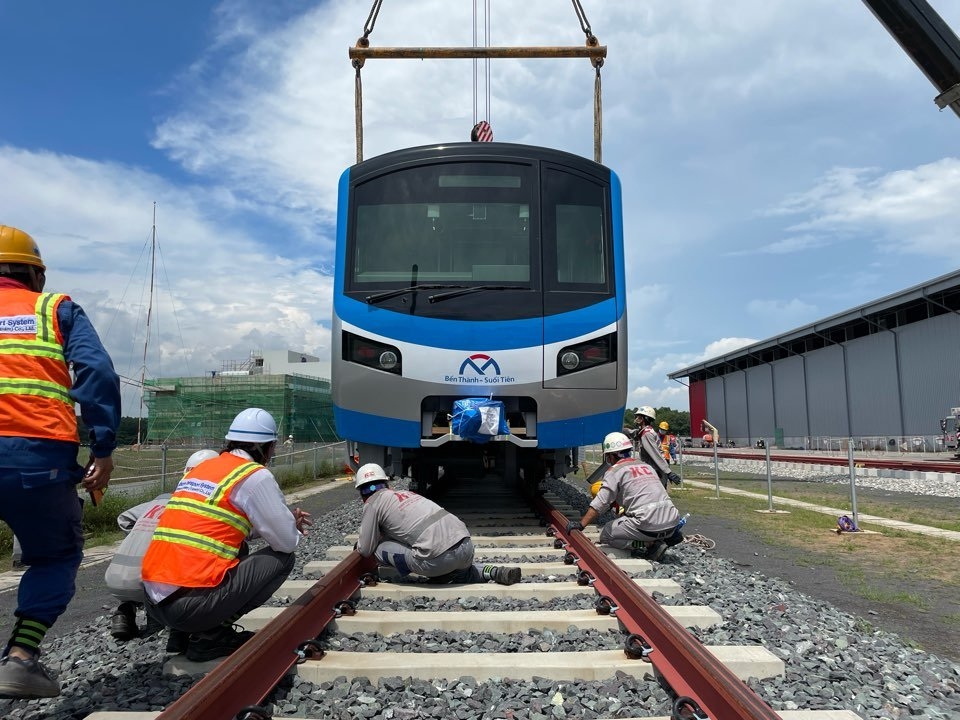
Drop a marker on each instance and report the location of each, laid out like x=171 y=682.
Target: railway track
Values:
x=644 y=640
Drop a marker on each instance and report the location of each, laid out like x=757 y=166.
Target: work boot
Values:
x=656 y=551
x=25 y=679
x=505 y=575
x=216 y=643
x=177 y=642
x=123 y=624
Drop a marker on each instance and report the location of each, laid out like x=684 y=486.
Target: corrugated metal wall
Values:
x=872 y=385
x=807 y=395
x=698 y=407
x=827 y=392
x=760 y=402
x=736 y=394
x=790 y=395
x=930 y=372
x=716 y=405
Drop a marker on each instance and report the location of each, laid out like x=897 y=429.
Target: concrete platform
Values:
x=628 y=565
x=521 y=591
x=339 y=552
x=517 y=538
x=784 y=714
x=742 y=661
x=394 y=621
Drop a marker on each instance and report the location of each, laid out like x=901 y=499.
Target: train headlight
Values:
x=570 y=361
x=388 y=360
x=585 y=355
x=371 y=354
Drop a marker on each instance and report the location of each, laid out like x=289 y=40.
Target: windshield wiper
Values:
x=467 y=290
x=387 y=294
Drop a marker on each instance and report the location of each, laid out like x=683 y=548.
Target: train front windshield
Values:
x=480 y=224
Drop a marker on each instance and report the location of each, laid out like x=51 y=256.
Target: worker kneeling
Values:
x=198 y=575
x=415 y=535
x=648 y=520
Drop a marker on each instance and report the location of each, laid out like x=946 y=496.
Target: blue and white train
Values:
x=478 y=270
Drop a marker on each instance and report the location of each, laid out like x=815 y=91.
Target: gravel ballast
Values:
x=833 y=660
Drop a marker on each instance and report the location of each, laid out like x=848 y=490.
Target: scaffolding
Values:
x=197 y=411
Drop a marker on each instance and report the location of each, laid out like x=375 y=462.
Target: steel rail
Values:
x=879 y=463
x=250 y=674
x=686 y=666
x=421 y=53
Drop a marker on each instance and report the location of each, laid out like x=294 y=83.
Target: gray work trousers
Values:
x=246 y=586
x=453 y=565
x=623 y=531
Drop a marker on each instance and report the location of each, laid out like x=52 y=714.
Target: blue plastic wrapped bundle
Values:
x=479 y=419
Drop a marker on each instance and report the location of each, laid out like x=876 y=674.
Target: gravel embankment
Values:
x=833 y=660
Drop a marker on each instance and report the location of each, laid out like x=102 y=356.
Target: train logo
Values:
x=485 y=369
x=474 y=362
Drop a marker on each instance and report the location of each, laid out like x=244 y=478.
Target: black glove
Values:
x=673 y=477
x=574 y=525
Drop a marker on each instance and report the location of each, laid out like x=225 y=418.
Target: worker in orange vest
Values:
x=198 y=577
x=43 y=336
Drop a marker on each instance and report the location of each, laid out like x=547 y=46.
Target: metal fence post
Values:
x=716 y=469
x=853 y=485
x=314 y=459
x=163 y=468
x=769 y=480
x=680 y=451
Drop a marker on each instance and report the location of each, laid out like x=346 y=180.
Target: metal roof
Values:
x=947 y=282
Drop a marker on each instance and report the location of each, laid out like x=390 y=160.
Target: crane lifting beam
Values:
x=415 y=53
x=929 y=42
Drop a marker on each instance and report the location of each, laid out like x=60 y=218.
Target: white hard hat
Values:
x=647 y=411
x=253 y=425
x=198 y=457
x=615 y=442
x=371 y=472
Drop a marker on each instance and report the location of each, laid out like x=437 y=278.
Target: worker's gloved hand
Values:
x=574 y=525
x=673 y=477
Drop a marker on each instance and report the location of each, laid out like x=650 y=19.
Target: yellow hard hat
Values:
x=595 y=488
x=18 y=248
x=664 y=425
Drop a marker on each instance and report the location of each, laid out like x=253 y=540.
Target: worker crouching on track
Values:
x=415 y=535
x=649 y=519
x=197 y=573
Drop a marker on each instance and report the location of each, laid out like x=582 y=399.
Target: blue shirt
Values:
x=96 y=388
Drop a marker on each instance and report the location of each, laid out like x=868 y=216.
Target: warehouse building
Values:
x=886 y=372
x=197 y=411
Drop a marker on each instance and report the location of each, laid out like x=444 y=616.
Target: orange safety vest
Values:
x=199 y=535
x=35 y=379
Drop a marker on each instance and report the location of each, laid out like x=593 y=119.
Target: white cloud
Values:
x=906 y=211
x=219 y=292
x=787 y=312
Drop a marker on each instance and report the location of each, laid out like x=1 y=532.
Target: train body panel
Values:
x=478 y=270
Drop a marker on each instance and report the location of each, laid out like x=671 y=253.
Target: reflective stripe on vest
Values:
x=35 y=379
x=198 y=538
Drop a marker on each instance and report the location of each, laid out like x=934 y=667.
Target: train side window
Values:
x=576 y=243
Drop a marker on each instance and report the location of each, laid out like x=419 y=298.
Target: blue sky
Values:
x=782 y=160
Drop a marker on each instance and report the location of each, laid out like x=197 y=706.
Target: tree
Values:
x=126 y=433
x=678 y=420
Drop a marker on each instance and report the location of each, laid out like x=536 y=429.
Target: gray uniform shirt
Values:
x=410 y=519
x=652 y=453
x=634 y=485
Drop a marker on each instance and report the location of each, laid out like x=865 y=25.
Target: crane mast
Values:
x=929 y=42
